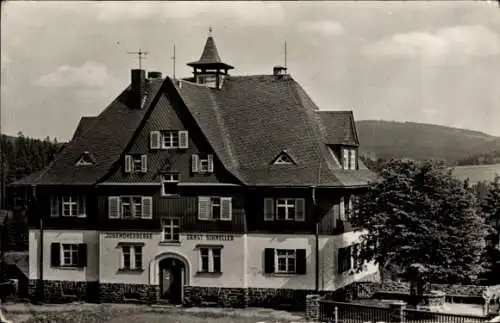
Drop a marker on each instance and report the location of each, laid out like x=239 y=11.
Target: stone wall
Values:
x=128 y=293
x=214 y=296
x=56 y=291
x=293 y=299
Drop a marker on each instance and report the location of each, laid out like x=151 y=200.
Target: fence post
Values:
x=312 y=307
x=397 y=311
x=336 y=314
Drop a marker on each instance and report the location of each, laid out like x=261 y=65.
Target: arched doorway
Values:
x=172 y=279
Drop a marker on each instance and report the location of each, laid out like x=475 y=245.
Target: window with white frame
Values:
x=170 y=139
x=131 y=207
x=131 y=257
x=202 y=165
x=136 y=163
x=215 y=208
x=171 y=230
x=349 y=158
x=170 y=184
x=210 y=259
x=348 y=258
x=285 y=209
x=286 y=261
x=67 y=206
x=69 y=255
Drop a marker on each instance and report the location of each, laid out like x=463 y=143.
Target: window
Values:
x=285 y=209
x=210 y=259
x=169 y=184
x=202 y=165
x=170 y=139
x=131 y=257
x=290 y=209
x=69 y=255
x=283 y=159
x=286 y=261
x=136 y=163
x=349 y=158
x=70 y=206
x=171 y=230
x=215 y=208
x=348 y=258
x=209 y=80
x=131 y=207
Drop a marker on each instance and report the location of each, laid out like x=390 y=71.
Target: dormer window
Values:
x=86 y=159
x=170 y=184
x=349 y=158
x=136 y=163
x=283 y=159
x=210 y=80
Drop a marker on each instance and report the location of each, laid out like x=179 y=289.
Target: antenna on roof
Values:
x=285 y=55
x=173 y=62
x=140 y=54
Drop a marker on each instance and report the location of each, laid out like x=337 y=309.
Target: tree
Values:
x=418 y=213
x=490 y=205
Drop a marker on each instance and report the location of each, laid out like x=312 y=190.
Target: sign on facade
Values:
x=210 y=237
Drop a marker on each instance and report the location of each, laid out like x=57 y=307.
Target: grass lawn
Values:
x=116 y=314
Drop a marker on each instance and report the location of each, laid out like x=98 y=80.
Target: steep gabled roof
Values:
x=252 y=117
x=105 y=138
x=247 y=122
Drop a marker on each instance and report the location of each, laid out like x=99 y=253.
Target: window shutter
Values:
x=345 y=156
x=128 y=163
x=336 y=214
x=147 y=207
x=194 y=163
x=114 y=207
x=82 y=207
x=226 y=209
x=301 y=262
x=340 y=260
x=353 y=158
x=300 y=210
x=54 y=206
x=155 y=140
x=183 y=139
x=269 y=260
x=342 y=209
x=268 y=209
x=203 y=208
x=55 y=254
x=210 y=163
x=144 y=163
x=82 y=255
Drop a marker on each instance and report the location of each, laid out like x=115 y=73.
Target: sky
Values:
x=430 y=61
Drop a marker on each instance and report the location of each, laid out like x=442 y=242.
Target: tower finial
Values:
x=210 y=30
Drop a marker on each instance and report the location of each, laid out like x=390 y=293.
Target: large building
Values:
x=213 y=189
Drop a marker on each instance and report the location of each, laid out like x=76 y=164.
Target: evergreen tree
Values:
x=418 y=213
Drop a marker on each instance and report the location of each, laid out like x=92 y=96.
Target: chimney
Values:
x=154 y=75
x=138 y=87
x=279 y=70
